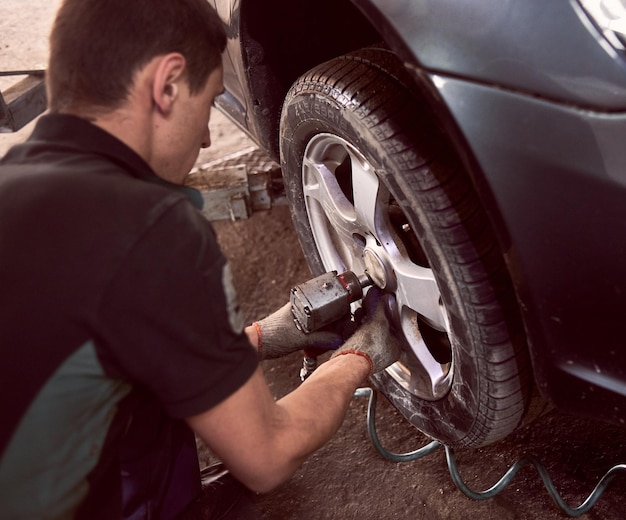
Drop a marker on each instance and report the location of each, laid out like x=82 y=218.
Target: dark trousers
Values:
x=161 y=476
x=159 y=467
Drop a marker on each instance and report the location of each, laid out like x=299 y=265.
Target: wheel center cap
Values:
x=375 y=268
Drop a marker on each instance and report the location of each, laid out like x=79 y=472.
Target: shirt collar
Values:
x=75 y=132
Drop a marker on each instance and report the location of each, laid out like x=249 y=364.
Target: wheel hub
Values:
x=375 y=268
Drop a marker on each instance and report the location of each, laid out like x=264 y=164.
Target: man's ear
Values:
x=167 y=76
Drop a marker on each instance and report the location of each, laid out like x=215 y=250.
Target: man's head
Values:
x=97 y=47
x=146 y=71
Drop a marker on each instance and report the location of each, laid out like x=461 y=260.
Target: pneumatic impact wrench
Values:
x=322 y=301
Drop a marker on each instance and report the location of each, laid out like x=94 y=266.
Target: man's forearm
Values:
x=311 y=414
x=317 y=408
x=263 y=441
x=305 y=419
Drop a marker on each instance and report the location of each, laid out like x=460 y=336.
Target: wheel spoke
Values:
x=432 y=373
x=366 y=190
x=321 y=185
x=418 y=291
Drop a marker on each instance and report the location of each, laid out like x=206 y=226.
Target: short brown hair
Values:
x=96 y=47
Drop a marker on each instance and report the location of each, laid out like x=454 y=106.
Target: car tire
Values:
x=372 y=182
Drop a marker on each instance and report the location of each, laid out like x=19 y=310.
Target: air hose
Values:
x=499 y=486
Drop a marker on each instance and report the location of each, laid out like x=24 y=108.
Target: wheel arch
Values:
x=276 y=53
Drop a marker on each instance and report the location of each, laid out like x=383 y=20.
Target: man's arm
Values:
x=263 y=441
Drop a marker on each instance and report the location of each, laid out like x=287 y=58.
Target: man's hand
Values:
x=279 y=336
x=373 y=340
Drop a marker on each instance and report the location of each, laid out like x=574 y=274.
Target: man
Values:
x=120 y=332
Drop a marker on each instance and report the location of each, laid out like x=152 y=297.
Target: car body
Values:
x=530 y=97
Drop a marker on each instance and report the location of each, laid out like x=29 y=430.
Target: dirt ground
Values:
x=348 y=479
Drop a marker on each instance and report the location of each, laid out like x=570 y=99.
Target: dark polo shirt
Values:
x=114 y=296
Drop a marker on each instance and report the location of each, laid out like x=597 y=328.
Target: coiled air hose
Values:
x=506 y=479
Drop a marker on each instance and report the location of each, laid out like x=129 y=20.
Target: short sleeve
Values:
x=169 y=319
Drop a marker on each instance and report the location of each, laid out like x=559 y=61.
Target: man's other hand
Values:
x=279 y=336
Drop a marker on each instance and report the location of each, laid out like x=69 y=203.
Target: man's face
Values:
x=189 y=129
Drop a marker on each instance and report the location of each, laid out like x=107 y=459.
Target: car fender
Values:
x=457 y=38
